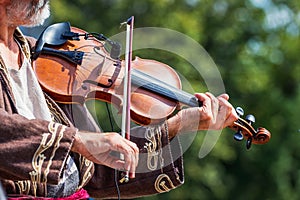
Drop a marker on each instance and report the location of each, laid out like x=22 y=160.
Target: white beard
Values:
x=22 y=13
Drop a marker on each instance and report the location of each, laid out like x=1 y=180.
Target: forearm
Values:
x=179 y=124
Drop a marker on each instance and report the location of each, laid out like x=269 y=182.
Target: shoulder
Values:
x=26 y=42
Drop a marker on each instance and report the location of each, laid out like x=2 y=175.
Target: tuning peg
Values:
x=239 y=111
x=248 y=143
x=250 y=119
x=238 y=136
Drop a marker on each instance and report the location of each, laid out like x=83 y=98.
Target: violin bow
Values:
x=127 y=88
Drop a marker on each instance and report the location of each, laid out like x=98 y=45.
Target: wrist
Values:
x=76 y=142
x=174 y=125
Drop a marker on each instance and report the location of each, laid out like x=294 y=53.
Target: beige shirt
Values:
x=30 y=100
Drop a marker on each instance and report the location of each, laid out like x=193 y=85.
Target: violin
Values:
x=73 y=66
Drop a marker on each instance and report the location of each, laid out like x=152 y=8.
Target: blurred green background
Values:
x=255 y=44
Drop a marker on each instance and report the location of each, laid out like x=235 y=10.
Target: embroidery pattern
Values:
x=56 y=145
x=87 y=175
x=154 y=148
x=24 y=187
x=55 y=114
x=39 y=158
x=162 y=182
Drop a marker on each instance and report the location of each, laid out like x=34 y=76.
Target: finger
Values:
x=205 y=110
x=119 y=164
x=108 y=160
x=202 y=97
x=224 y=96
x=232 y=115
x=128 y=149
x=228 y=112
x=129 y=164
x=214 y=106
x=122 y=163
x=133 y=167
x=134 y=158
x=115 y=163
x=136 y=150
x=130 y=152
x=231 y=118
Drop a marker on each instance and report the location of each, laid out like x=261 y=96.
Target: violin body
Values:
x=100 y=77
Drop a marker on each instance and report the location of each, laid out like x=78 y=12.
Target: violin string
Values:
x=95 y=54
x=155 y=85
x=80 y=76
x=83 y=67
x=91 y=58
x=141 y=79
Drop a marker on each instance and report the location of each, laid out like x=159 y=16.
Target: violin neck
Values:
x=152 y=84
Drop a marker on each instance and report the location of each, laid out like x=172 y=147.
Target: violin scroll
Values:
x=244 y=129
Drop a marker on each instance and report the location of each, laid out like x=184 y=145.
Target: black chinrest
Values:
x=52 y=35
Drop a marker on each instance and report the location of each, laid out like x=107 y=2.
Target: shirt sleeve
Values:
x=33 y=150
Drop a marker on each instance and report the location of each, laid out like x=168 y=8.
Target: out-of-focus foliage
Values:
x=255 y=44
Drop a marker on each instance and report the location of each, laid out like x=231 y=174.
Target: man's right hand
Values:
x=98 y=148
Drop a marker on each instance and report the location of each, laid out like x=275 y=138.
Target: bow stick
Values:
x=127 y=88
